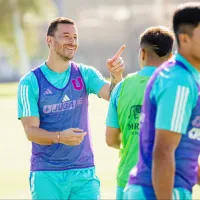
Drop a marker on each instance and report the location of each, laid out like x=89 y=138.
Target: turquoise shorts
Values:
x=119 y=193
x=135 y=192
x=69 y=184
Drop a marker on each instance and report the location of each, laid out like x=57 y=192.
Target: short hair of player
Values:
x=157 y=39
x=186 y=17
x=54 y=23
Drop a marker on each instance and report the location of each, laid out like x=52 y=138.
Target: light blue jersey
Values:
x=171 y=103
x=60 y=100
x=184 y=95
x=28 y=90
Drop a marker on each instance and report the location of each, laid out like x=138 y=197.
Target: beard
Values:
x=63 y=56
x=61 y=52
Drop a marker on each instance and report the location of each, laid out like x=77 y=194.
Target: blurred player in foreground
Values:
x=170 y=119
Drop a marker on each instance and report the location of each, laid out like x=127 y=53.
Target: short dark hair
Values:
x=54 y=23
x=186 y=17
x=158 y=39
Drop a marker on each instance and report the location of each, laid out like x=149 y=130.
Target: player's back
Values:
x=129 y=108
x=186 y=155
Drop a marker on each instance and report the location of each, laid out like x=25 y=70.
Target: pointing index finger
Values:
x=118 y=54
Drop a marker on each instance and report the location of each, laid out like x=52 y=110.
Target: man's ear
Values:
x=49 y=40
x=143 y=53
x=184 y=38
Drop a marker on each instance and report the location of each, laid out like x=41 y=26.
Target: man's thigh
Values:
x=134 y=192
x=47 y=185
x=87 y=186
x=181 y=193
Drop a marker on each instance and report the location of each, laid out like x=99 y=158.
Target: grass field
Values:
x=15 y=149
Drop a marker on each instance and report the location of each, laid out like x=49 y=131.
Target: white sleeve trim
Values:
x=182 y=95
x=25 y=101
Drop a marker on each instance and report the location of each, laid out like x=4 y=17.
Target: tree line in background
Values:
x=19 y=28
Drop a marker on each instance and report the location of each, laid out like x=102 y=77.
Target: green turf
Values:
x=15 y=149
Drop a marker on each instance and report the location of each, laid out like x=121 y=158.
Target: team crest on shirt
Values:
x=134 y=114
x=135 y=111
x=77 y=83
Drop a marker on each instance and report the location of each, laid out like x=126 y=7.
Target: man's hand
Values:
x=116 y=68
x=116 y=64
x=72 y=136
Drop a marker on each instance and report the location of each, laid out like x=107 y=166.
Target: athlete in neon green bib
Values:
x=129 y=106
x=126 y=100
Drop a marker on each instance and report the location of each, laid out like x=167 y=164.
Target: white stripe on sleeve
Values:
x=25 y=101
x=182 y=95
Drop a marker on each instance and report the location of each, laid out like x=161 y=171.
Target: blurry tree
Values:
x=20 y=22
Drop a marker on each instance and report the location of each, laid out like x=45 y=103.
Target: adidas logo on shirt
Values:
x=66 y=98
x=48 y=91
